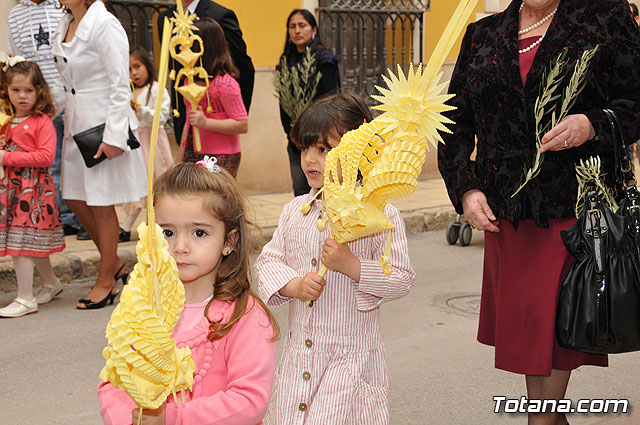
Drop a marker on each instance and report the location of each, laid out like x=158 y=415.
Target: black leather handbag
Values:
x=599 y=304
x=89 y=141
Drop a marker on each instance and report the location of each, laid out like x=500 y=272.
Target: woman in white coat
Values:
x=91 y=52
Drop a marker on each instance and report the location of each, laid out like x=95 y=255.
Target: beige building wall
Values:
x=5 y=8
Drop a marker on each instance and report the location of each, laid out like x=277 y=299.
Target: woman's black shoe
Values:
x=124 y=235
x=69 y=229
x=124 y=277
x=94 y=305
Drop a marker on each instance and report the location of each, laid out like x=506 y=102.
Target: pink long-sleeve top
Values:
x=37 y=136
x=233 y=378
x=226 y=102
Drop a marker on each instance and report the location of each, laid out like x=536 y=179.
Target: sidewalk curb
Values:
x=83 y=264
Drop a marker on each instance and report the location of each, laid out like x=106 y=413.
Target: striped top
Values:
x=343 y=324
x=30 y=34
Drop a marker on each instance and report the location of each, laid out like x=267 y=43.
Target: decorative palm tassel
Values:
x=385 y=260
x=206 y=80
x=307 y=205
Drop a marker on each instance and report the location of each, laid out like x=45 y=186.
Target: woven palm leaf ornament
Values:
x=141 y=357
x=181 y=49
x=390 y=150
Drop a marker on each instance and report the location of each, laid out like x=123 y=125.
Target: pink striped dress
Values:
x=333 y=368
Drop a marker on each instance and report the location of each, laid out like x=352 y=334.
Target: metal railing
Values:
x=370 y=36
x=138 y=18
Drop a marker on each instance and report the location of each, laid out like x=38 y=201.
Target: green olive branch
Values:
x=545 y=104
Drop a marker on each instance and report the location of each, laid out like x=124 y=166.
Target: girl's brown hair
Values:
x=145 y=59
x=331 y=115
x=44 y=101
x=216 y=58
x=223 y=200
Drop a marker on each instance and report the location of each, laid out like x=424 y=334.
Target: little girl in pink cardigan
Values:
x=229 y=330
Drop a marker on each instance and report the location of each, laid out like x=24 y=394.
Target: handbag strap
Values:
x=631 y=201
x=596 y=226
x=624 y=175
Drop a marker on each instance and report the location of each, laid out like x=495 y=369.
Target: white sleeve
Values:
x=112 y=44
x=146 y=111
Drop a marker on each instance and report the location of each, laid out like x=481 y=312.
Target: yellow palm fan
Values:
x=141 y=357
x=389 y=151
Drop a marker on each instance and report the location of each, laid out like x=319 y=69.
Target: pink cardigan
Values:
x=233 y=378
x=226 y=102
x=37 y=136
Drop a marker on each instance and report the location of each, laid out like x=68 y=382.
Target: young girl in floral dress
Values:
x=30 y=227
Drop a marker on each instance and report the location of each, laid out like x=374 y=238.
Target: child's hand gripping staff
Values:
x=141 y=357
x=389 y=151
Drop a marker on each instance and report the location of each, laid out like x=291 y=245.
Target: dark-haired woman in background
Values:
x=302 y=32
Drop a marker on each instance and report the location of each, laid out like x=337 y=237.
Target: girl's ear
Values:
x=232 y=240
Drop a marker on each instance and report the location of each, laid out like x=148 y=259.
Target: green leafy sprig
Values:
x=296 y=86
x=590 y=177
x=545 y=104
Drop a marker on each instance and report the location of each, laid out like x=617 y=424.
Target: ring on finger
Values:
x=472 y=226
x=565 y=145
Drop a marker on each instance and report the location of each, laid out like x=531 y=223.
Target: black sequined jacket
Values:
x=493 y=106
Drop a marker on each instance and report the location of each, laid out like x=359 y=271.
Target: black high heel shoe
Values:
x=124 y=278
x=124 y=236
x=94 y=305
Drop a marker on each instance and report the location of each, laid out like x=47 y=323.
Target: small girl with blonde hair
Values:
x=30 y=227
x=228 y=328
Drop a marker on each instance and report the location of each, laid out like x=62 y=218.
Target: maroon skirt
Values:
x=523 y=273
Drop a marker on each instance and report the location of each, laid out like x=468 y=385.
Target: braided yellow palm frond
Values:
x=141 y=357
x=389 y=151
x=351 y=218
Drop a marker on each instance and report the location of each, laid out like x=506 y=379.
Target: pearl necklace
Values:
x=537 y=24
x=535 y=43
x=532 y=27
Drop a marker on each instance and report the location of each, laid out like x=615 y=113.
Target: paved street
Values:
x=439 y=374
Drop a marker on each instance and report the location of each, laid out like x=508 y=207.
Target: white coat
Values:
x=94 y=71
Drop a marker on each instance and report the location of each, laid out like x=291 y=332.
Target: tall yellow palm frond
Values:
x=389 y=152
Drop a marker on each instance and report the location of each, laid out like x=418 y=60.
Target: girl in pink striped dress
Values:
x=333 y=368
